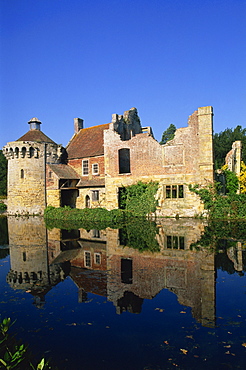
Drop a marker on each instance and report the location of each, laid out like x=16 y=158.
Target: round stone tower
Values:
x=27 y=158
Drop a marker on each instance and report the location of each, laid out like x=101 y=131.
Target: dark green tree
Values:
x=168 y=134
x=223 y=143
x=3 y=174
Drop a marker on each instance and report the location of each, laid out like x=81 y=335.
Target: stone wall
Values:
x=187 y=159
x=188 y=273
x=26 y=178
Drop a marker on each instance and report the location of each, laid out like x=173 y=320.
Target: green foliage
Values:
x=220 y=233
x=139 y=199
x=3 y=207
x=140 y=235
x=223 y=144
x=232 y=182
x=3 y=174
x=14 y=355
x=168 y=134
x=3 y=230
x=231 y=206
x=87 y=218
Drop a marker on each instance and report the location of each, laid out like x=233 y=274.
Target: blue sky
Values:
x=62 y=59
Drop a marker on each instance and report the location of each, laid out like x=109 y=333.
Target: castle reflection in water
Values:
x=101 y=262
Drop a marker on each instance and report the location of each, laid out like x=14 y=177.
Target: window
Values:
x=87 y=259
x=96 y=233
x=95 y=169
x=97 y=258
x=87 y=201
x=16 y=152
x=126 y=271
x=181 y=191
x=22 y=174
x=23 y=152
x=95 y=195
x=24 y=256
x=124 y=161
x=50 y=174
x=174 y=191
x=85 y=167
x=175 y=242
x=31 y=152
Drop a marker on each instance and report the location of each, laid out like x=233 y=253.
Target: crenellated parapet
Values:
x=25 y=150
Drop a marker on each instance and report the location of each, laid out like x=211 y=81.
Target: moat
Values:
x=165 y=295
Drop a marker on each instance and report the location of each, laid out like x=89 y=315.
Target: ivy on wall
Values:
x=139 y=198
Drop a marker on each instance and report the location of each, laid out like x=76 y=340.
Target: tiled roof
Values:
x=36 y=135
x=95 y=181
x=64 y=171
x=88 y=142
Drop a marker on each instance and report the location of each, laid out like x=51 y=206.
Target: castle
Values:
x=100 y=160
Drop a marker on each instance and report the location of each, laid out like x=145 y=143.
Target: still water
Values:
x=170 y=295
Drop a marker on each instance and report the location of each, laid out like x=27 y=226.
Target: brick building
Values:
x=100 y=160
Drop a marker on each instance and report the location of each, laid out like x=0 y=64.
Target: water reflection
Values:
x=134 y=268
x=100 y=262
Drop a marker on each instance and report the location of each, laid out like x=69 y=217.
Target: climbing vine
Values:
x=139 y=198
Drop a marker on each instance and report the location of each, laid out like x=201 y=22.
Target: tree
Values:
x=168 y=134
x=242 y=178
x=3 y=174
x=223 y=143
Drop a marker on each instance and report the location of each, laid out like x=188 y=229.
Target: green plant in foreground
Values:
x=14 y=355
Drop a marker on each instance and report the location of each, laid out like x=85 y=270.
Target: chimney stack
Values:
x=78 y=124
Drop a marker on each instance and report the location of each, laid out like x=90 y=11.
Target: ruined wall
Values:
x=234 y=157
x=188 y=273
x=187 y=159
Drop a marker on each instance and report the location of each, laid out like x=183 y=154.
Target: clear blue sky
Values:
x=62 y=59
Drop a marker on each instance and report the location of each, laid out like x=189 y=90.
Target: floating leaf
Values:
x=189 y=336
x=184 y=351
x=244 y=344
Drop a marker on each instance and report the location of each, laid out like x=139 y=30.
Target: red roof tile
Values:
x=88 y=142
x=36 y=135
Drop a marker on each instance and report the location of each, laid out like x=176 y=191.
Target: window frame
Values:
x=97 y=256
x=93 y=168
x=87 y=258
x=174 y=191
x=95 y=195
x=85 y=166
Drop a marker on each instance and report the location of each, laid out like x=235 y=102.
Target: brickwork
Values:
x=187 y=273
x=118 y=154
x=187 y=159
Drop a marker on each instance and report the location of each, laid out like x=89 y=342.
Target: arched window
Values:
x=16 y=152
x=23 y=152
x=22 y=174
x=11 y=153
x=87 y=201
x=31 y=152
x=124 y=160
